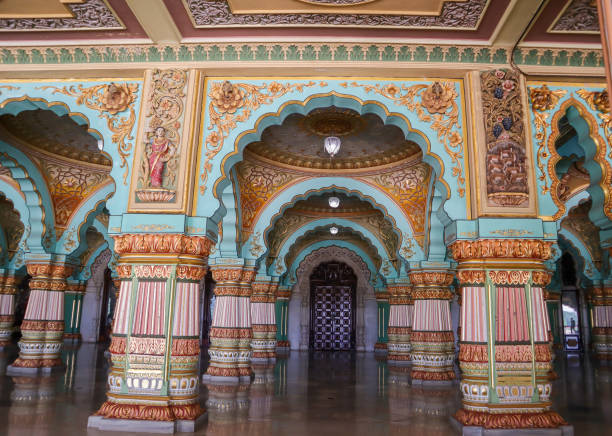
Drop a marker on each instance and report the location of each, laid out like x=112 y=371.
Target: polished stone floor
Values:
x=322 y=394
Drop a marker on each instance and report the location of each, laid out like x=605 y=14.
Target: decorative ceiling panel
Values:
x=578 y=16
x=366 y=141
x=563 y=22
x=90 y=19
x=91 y=14
x=466 y=19
x=454 y=14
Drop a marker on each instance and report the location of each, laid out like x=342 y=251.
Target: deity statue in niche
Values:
x=159 y=151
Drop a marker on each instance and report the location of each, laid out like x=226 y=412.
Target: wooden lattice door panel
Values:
x=332 y=318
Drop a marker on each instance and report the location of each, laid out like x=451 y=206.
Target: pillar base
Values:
x=421 y=382
x=528 y=422
x=470 y=430
x=18 y=370
x=144 y=426
x=72 y=337
x=208 y=378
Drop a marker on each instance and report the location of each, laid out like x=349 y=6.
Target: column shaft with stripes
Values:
x=43 y=324
x=433 y=341
x=73 y=307
x=382 y=315
x=400 y=324
x=283 y=295
x=155 y=342
x=601 y=301
x=263 y=318
x=231 y=333
x=504 y=354
x=8 y=289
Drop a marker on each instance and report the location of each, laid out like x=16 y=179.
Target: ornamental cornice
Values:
x=162 y=243
x=49 y=270
x=232 y=274
x=305 y=53
x=533 y=249
x=430 y=278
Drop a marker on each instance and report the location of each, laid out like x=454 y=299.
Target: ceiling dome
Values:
x=366 y=141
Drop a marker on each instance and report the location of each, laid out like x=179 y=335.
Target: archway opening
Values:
x=333 y=288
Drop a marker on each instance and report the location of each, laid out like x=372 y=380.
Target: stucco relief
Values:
x=299 y=305
x=458 y=15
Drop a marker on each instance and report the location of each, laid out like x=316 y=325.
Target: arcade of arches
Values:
x=227 y=218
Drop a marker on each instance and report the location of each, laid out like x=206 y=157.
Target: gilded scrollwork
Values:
x=232 y=103
x=435 y=104
x=109 y=100
x=543 y=100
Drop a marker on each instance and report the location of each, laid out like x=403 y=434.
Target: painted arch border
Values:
x=314 y=186
x=217 y=164
x=544 y=132
x=56 y=96
x=19 y=204
x=364 y=232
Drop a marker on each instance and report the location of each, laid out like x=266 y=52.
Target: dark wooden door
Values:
x=332 y=323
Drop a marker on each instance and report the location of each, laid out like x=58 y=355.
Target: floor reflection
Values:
x=299 y=394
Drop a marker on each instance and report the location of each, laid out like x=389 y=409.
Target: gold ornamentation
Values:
x=543 y=100
x=432 y=294
x=471 y=277
x=68 y=186
x=535 y=249
x=109 y=100
x=152 y=227
x=445 y=124
x=8 y=88
x=148 y=346
x=147 y=243
x=409 y=188
x=599 y=158
x=233 y=103
x=512 y=233
x=185 y=272
x=430 y=278
x=407 y=250
x=258 y=183
x=149 y=412
x=54 y=270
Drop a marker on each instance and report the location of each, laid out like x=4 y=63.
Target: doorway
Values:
x=332 y=310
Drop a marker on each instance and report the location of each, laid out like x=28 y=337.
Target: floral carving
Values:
x=215 y=13
x=437 y=98
x=536 y=249
x=506 y=171
x=160 y=243
x=408 y=187
x=580 y=16
x=159 y=164
x=258 y=184
x=109 y=100
x=69 y=185
x=543 y=99
x=231 y=104
x=430 y=109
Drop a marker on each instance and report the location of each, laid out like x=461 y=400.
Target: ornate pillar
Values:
x=8 y=289
x=400 y=324
x=382 y=312
x=263 y=318
x=231 y=333
x=601 y=301
x=154 y=378
x=43 y=324
x=504 y=352
x=283 y=295
x=433 y=341
x=73 y=305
